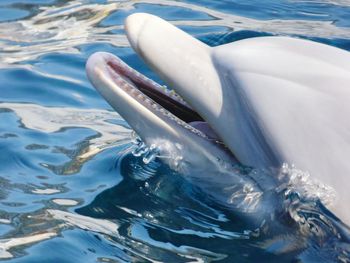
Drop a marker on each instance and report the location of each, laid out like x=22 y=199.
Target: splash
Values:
x=141 y=149
x=153 y=152
x=301 y=183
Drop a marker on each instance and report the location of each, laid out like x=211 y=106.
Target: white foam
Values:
x=301 y=182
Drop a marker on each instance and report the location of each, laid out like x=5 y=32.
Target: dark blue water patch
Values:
x=22 y=158
x=90 y=48
x=140 y=198
x=5 y=228
x=64 y=65
x=166 y=12
x=95 y=175
x=10 y=14
x=36 y=88
x=342 y=18
x=23 y=206
x=284 y=10
x=60 y=77
x=15 y=160
x=23 y=169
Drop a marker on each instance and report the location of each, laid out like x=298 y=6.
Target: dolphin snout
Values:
x=134 y=26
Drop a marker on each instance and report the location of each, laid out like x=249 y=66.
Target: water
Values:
x=71 y=191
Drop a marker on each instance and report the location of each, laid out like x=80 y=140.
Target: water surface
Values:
x=70 y=189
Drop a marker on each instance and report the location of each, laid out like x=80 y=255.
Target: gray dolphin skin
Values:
x=261 y=101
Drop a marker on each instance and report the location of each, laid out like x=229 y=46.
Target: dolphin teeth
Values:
x=148 y=101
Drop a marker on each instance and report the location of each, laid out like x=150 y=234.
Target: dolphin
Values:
x=260 y=102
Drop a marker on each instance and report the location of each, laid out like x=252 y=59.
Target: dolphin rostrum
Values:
x=262 y=101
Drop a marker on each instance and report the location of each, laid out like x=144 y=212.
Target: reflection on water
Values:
x=70 y=190
x=68 y=24
x=7 y=244
x=54 y=119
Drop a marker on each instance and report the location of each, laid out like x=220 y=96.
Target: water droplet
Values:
x=151 y=154
x=140 y=149
x=135 y=139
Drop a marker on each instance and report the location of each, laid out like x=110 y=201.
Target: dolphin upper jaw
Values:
x=181 y=60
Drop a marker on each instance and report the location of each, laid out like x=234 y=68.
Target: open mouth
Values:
x=157 y=98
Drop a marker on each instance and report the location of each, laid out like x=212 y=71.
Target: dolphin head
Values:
x=270 y=100
x=167 y=123
x=234 y=105
x=190 y=67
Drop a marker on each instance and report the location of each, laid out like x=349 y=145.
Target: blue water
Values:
x=70 y=189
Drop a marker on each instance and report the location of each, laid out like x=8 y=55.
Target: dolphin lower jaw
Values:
x=136 y=98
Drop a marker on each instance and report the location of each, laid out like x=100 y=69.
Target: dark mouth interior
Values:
x=157 y=94
x=167 y=99
x=182 y=111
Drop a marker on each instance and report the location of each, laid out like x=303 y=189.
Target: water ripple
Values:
x=71 y=188
x=63 y=28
